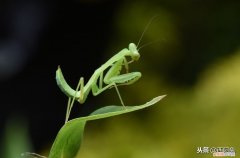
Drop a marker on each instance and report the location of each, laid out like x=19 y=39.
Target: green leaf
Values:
x=68 y=141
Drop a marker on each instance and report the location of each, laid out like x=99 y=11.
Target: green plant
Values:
x=69 y=138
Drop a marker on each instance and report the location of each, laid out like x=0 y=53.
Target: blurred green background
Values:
x=195 y=61
x=193 y=57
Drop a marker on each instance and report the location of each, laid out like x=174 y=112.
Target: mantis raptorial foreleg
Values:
x=115 y=70
x=125 y=62
x=113 y=78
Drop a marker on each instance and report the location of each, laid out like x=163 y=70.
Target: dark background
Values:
x=37 y=36
x=40 y=35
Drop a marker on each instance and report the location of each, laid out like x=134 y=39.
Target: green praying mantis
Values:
x=112 y=78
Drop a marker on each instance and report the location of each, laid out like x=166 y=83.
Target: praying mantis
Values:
x=112 y=78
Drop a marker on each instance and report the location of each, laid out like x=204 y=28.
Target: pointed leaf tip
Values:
x=68 y=141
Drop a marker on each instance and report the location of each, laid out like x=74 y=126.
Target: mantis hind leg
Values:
x=124 y=79
x=96 y=90
x=119 y=96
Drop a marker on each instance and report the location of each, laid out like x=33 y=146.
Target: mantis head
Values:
x=133 y=49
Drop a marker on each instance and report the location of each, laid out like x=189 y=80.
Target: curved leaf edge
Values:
x=62 y=148
x=113 y=110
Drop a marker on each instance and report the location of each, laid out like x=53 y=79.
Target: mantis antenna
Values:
x=147 y=44
x=146 y=28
